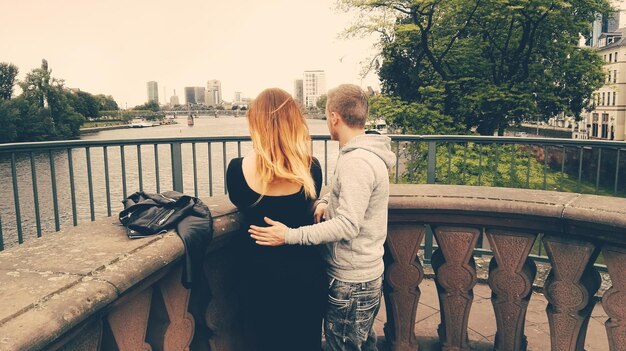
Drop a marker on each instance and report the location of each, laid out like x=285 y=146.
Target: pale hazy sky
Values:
x=114 y=47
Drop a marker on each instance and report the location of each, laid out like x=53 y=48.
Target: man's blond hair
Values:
x=349 y=101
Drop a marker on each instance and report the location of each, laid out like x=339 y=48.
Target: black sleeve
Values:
x=233 y=181
x=316 y=172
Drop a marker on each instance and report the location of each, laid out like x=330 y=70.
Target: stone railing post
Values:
x=455 y=278
x=614 y=300
x=569 y=289
x=511 y=276
x=403 y=275
x=129 y=322
x=180 y=330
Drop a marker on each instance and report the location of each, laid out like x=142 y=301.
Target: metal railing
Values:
x=47 y=185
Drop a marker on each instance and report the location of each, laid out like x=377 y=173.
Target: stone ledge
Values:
x=591 y=216
x=52 y=284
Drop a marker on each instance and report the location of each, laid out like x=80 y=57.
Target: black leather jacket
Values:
x=148 y=214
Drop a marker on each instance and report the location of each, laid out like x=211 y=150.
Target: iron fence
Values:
x=48 y=185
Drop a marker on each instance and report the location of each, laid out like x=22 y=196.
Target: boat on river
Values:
x=140 y=123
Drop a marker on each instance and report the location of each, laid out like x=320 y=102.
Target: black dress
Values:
x=283 y=288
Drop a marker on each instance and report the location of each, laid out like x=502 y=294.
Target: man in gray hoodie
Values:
x=355 y=226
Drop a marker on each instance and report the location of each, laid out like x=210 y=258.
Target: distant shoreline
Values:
x=98 y=129
x=125 y=126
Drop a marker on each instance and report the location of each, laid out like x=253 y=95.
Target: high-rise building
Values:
x=199 y=92
x=174 y=99
x=314 y=86
x=153 y=92
x=214 y=89
x=606 y=118
x=190 y=95
x=238 y=96
x=298 y=91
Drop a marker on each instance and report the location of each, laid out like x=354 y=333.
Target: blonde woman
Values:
x=284 y=287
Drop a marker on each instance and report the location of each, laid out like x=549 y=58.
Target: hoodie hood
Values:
x=377 y=144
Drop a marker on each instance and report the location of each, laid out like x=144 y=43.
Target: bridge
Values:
x=466 y=248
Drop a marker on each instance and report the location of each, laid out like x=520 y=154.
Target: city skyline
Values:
x=97 y=48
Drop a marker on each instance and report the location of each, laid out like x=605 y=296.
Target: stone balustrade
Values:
x=575 y=228
x=91 y=288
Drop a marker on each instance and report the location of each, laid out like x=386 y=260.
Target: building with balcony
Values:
x=607 y=119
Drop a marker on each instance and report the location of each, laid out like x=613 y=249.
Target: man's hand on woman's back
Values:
x=318 y=215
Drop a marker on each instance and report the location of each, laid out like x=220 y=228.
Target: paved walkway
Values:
x=482 y=323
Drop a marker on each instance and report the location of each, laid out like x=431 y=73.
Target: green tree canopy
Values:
x=494 y=63
x=106 y=103
x=151 y=105
x=45 y=112
x=410 y=117
x=8 y=117
x=321 y=102
x=84 y=103
x=8 y=74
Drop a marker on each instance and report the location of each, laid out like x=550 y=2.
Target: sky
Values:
x=115 y=47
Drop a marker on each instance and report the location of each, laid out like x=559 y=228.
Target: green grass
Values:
x=514 y=166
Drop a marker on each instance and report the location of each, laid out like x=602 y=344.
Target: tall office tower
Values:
x=153 y=92
x=214 y=88
x=238 y=96
x=298 y=91
x=190 y=95
x=174 y=99
x=314 y=86
x=199 y=92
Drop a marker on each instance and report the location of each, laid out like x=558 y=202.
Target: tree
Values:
x=8 y=112
x=150 y=105
x=89 y=103
x=495 y=63
x=45 y=112
x=8 y=117
x=321 y=102
x=8 y=74
x=410 y=117
x=106 y=103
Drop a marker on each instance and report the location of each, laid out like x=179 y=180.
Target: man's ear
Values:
x=334 y=118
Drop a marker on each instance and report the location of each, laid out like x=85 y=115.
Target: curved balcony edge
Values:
x=92 y=288
x=589 y=217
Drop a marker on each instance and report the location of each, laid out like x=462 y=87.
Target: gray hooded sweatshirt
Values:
x=356 y=217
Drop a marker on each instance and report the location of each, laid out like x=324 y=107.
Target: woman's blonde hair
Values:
x=280 y=138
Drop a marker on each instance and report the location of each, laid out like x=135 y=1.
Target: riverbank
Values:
x=98 y=129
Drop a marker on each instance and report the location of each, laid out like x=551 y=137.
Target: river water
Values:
x=204 y=126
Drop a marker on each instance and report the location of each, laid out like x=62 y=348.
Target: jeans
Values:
x=349 y=320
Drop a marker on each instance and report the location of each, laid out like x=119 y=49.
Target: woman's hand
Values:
x=274 y=235
x=318 y=215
